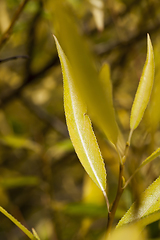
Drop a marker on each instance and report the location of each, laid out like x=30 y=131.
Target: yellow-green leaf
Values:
x=150 y=158
x=144 y=89
x=149 y=205
x=79 y=126
x=86 y=78
x=105 y=78
x=154 y=155
x=127 y=232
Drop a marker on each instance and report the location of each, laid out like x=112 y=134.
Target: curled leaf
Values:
x=79 y=126
x=144 y=89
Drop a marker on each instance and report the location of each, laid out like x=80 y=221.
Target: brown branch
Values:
x=13 y=58
x=120 y=190
x=102 y=48
x=12 y=93
x=6 y=35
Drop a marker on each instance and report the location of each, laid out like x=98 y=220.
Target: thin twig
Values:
x=6 y=35
x=120 y=190
x=13 y=58
x=10 y=94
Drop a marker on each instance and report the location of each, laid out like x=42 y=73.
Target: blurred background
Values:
x=42 y=182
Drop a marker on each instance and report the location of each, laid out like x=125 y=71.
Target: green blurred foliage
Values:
x=42 y=182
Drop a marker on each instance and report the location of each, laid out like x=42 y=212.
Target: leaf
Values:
x=79 y=126
x=147 y=160
x=86 y=77
x=35 y=234
x=127 y=232
x=18 y=224
x=149 y=205
x=153 y=109
x=150 y=158
x=144 y=89
x=105 y=79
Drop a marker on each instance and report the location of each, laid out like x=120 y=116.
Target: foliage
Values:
x=102 y=50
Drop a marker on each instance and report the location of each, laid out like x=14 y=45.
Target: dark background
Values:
x=42 y=183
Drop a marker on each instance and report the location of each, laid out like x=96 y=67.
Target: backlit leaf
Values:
x=149 y=205
x=154 y=155
x=105 y=79
x=128 y=232
x=150 y=158
x=86 y=78
x=144 y=89
x=79 y=126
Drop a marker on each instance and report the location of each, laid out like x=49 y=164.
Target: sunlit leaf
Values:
x=150 y=158
x=147 y=160
x=86 y=78
x=91 y=193
x=128 y=232
x=79 y=126
x=149 y=205
x=35 y=234
x=153 y=109
x=18 y=224
x=144 y=89
x=105 y=78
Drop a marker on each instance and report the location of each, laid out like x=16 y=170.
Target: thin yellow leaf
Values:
x=149 y=205
x=79 y=126
x=105 y=78
x=86 y=75
x=144 y=89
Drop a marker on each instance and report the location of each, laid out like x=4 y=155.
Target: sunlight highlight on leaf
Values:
x=86 y=78
x=144 y=89
x=149 y=204
x=79 y=126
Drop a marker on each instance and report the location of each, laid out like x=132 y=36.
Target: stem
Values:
x=107 y=201
x=120 y=189
x=13 y=58
x=127 y=146
x=7 y=33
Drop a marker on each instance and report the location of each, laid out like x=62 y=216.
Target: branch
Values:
x=13 y=58
x=10 y=94
x=6 y=35
x=102 y=49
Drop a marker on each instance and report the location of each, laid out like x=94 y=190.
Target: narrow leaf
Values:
x=144 y=89
x=79 y=126
x=105 y=78
x=147 y=160
x=150 y=158
x=149 y=205
x=86 y=78
x=128 y=232
x=19 y=225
